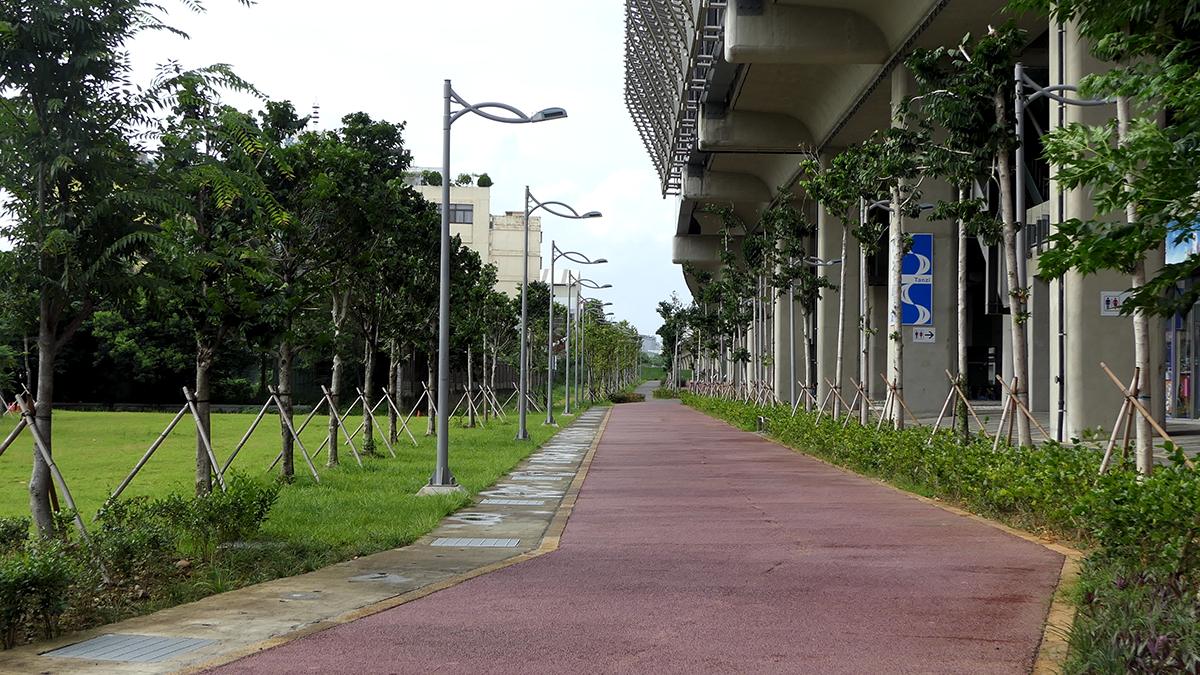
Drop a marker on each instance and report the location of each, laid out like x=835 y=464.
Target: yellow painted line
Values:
x=549 y=543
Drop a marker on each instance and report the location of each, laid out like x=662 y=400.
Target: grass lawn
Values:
x=367 y=508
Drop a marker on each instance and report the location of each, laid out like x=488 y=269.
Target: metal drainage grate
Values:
x=139 y=648
x=515 y=502
x=476 y=543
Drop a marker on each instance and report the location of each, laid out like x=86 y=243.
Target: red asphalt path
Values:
x=698 y=548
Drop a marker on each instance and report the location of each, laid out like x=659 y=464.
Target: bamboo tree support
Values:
x=371 y=416
x=867 y=403
x=849 y=413
x=963 y=397
x=39 y=442
x=497 y=408
x=821 y=409
x=938 y=424
x=511 y=396
x=1132 y=398
x=399 y=416
x=367 y=415
x=253 y=426
x=145 y=458
x=422 y=397
x=287 y=421
x=212 y=457
x=1012 y=392
x=340 y=420
x=1122 y=420
x=834 y=390
x=1004 y=415
x=4 y=406
x=886 y=412
x=897 y=397
x=12 y=435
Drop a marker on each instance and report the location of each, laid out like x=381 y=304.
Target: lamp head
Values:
x=607 y=286
x=548 y=114
x=592 y=214
x=599 y=261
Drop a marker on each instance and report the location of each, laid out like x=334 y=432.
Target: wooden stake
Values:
x=982 y=427
x=1145 y=413
x=371 y=416
x=249 y=431
x=1122 y=419
x=1000 y=427
x=399 y=416
x=938 y=424
x=896 y=397
x=145 y=458
x=212 y=457
x=1012 y=392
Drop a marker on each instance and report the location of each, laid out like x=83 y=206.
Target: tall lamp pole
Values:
x=582 y=283
x=442 y=480
x=575 y=257
x=523 y=388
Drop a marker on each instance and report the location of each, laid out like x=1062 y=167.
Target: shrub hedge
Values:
x=1137 y=602
x=626 y=397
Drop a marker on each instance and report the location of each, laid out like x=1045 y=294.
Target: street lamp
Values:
x=523 y=387
x=442 y=480
x=581 y=259
x=572 y=282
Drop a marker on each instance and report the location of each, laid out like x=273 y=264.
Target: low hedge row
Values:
x=626 y=397
x=1137 y=600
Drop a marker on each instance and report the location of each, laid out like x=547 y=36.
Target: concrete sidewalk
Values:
x=695 y=547
x=518 y=518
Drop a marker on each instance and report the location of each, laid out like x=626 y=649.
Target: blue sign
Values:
x=916 y=283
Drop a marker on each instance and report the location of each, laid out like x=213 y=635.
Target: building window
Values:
x=461 y=213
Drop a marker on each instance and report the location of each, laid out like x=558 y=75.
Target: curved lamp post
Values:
x=523 y=388
x=578 y=258
x=572 y=282
x=442 y=480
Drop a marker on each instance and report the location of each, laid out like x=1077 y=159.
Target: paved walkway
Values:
x=697 y=548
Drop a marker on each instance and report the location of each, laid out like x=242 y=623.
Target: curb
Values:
x=550 y=542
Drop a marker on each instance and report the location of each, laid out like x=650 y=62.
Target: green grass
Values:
x=371 y=507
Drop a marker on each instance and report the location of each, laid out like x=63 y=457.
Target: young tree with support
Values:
x=957 y=95
x=210 y=258
x=73 y=174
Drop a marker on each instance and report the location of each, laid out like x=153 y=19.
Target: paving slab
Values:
x=694 y=547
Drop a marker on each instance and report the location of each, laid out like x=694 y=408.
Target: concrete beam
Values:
x=745 y=131
x=700 y=250
x=724 y=187
x=799 y=34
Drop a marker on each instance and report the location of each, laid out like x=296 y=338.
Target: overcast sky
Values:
x=389 y=58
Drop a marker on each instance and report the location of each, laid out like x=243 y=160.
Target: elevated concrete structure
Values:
x=731 y=97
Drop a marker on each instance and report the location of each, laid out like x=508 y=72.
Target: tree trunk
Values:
x=895 y=308
x=961 y=407
x=1016 y=293
x=368 y=387
x=287 y=467
x=864 y=340
x=204 y=362
x=339 y=305
x=1144 y=444
x=393 y=388
x=40 y=484
x=335 y=388
x=841 y=329
x=470 y=390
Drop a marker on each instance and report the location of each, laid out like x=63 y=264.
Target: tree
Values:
x=962 y=92
x=72 y=170
x=210 y=258
x=484 y=181
x=1142 y=165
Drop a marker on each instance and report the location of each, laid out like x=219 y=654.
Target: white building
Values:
x=497 y=239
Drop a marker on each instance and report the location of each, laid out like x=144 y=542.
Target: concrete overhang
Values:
x=753 y=132
x=725 y=188
x=699 y=250
x=803 y=35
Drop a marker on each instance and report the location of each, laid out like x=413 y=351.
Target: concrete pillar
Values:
x=1091 y=398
